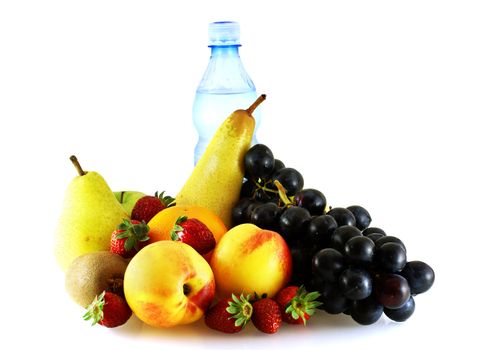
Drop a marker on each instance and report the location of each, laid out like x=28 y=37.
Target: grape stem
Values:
x=282 y=192
x=264 y=188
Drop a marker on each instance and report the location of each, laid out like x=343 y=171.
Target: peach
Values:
x=168 y=283
x=249 y=259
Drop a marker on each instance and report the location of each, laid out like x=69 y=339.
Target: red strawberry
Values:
x=146 y=207
x=296 y=304
x=266 y=315
x=109 y=310
x=129 y=238
x=194 y=233
x=229 y=315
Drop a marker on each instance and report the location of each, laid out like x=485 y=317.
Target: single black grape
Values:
x=391 y=290
x=419 y=275
x=259 y=161
x=239 y=214
x=250 y=208
x=375 y=236
x=341 y=235
x=266 y=216
x=366 y=311
x=311 y=199
x=391 y=257
x=370 y=230
x=291 y=180
x=293 y=222
x=403 y=313
x=320 y=229
x=278 y=165
x=388 y=239
x=359 y=251
x=342 y=216
x=328 y=264
x=355 y=284
x=248 y=189
x=334 y=302
x=362 y=217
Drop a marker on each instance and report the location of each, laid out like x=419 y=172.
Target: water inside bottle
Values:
x=211 y=109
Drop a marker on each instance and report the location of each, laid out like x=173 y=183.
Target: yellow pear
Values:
x=90 y=213
x=216 y=180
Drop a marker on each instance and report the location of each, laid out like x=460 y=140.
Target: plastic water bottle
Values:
x=225 y=86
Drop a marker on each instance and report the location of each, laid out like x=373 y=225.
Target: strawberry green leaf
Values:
x=241 y=309
x=181 y=219
x=129 y=244
x=95 y=311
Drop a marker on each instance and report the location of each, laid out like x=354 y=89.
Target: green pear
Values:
x=216 y=180
x=128 y=199
x=90 y=214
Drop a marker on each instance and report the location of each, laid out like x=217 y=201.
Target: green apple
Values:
x=128 y=199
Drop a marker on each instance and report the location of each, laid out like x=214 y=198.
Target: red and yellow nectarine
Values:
x=168 y=283
x=249 y=259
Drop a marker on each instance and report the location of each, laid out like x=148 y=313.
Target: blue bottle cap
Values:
x=224 y=33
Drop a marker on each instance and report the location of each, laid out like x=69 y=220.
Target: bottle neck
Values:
x=225 y=72
x=224 y=51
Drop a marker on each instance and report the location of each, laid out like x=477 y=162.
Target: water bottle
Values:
x=225 y=86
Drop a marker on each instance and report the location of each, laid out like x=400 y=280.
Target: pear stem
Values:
x=76 y=164
x=256 y=103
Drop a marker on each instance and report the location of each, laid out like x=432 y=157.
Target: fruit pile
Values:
x=243 y=241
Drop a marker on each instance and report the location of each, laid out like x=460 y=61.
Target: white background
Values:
x=386 y=104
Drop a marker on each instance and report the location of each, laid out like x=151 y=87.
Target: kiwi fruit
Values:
x=92 y=273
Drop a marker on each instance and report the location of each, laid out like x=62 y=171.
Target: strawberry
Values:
x=146 y=207
x=266 y=315
x=194 y=233
x=109 y=310
x=129 y=237
x=229 y=315
x=296 y=304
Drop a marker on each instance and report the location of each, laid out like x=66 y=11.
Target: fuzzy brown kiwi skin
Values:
x=92 y=273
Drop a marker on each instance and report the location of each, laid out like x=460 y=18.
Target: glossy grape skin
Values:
x=341 y=235
x=334 y=302
x=266 y=216
x=291 y=180
x=388 y=239
x=366 y=311
x=361 y=215
x=293 y=222
x=391 y=257
x=419 y=275
x=355 y=284
x=359 y=251
x=311 y=199
x=248 y=189
x=258 y=161
x=320 y=230
x=328 y=264
x=342 y=216
x=370 y=230
x=278 y=165
x=403 y=313
x=391 y=290
x=375 y=236
x=239 y=213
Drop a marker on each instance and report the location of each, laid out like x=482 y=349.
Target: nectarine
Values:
x=168 y=283
x=249 y=259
